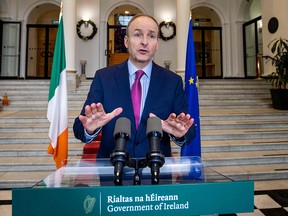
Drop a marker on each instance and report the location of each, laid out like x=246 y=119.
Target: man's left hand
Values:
x=176 y=125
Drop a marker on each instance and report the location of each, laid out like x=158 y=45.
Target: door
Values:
x=10 y=49
x=40 y=50
x=208 y=51
x=117 y=51
x=253 y=47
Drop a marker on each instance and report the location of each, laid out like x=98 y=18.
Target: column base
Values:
x=73 y=81
x=181 y=72
x=83 y=77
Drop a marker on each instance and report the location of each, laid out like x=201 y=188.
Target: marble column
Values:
x=69 y=18
x=183 y=17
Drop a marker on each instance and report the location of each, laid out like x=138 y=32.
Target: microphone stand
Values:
x=136 y=164
x=155 y=160
x=119 y=159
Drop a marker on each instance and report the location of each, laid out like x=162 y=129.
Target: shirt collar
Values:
x=132 y=69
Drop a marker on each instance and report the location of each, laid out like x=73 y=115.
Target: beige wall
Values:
x=232 y=14
x=279 y=10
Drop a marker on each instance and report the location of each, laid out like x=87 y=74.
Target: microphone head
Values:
x=123 y=125
x=154 y=125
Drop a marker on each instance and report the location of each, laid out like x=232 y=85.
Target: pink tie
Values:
x=136 y=93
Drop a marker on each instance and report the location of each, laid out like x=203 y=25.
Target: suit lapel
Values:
x=122 y=78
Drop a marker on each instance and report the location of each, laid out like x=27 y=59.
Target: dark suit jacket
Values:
x=110 y=86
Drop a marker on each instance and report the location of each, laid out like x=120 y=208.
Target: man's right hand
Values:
x=96 y=117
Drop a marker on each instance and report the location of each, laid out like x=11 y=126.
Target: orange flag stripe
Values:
x=61 y=151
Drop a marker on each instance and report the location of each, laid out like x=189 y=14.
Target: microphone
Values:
x=154 y=157
x=119 y=157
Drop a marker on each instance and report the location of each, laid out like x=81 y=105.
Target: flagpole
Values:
x=191 y=89
x=57 y=111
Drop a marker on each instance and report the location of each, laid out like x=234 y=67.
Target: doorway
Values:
x=41 y=28
x=117 y=51
x=253 y=47
x=207 y=31
x=40 y=47
x=208 y=51
x=118 y=20
x=10 y=34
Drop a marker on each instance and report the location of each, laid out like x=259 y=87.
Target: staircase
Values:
x=24 y=132
x=242 y=136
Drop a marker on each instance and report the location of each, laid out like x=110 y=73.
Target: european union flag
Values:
x=191 y=89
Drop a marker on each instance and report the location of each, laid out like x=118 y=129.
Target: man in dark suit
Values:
x=110 y=97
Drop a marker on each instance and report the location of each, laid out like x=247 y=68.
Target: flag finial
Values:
x=61 y=7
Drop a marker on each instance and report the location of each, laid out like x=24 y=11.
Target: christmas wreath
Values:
x=167 y=25
x=89 y=22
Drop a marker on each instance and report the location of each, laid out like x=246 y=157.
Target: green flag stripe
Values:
x=59 y=60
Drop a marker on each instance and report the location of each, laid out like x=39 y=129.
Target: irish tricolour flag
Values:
x=57 y=112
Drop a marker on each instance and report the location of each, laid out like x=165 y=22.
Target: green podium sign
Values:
x=186 y=188
x=183 y=199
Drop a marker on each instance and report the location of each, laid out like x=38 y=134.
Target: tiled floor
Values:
x=5 y=203
x=271 y=199
x=273 y=202
x=269 y=203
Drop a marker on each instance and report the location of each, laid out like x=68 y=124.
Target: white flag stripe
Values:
x=57 y=110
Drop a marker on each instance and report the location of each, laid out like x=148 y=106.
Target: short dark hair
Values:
x=141 y=15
